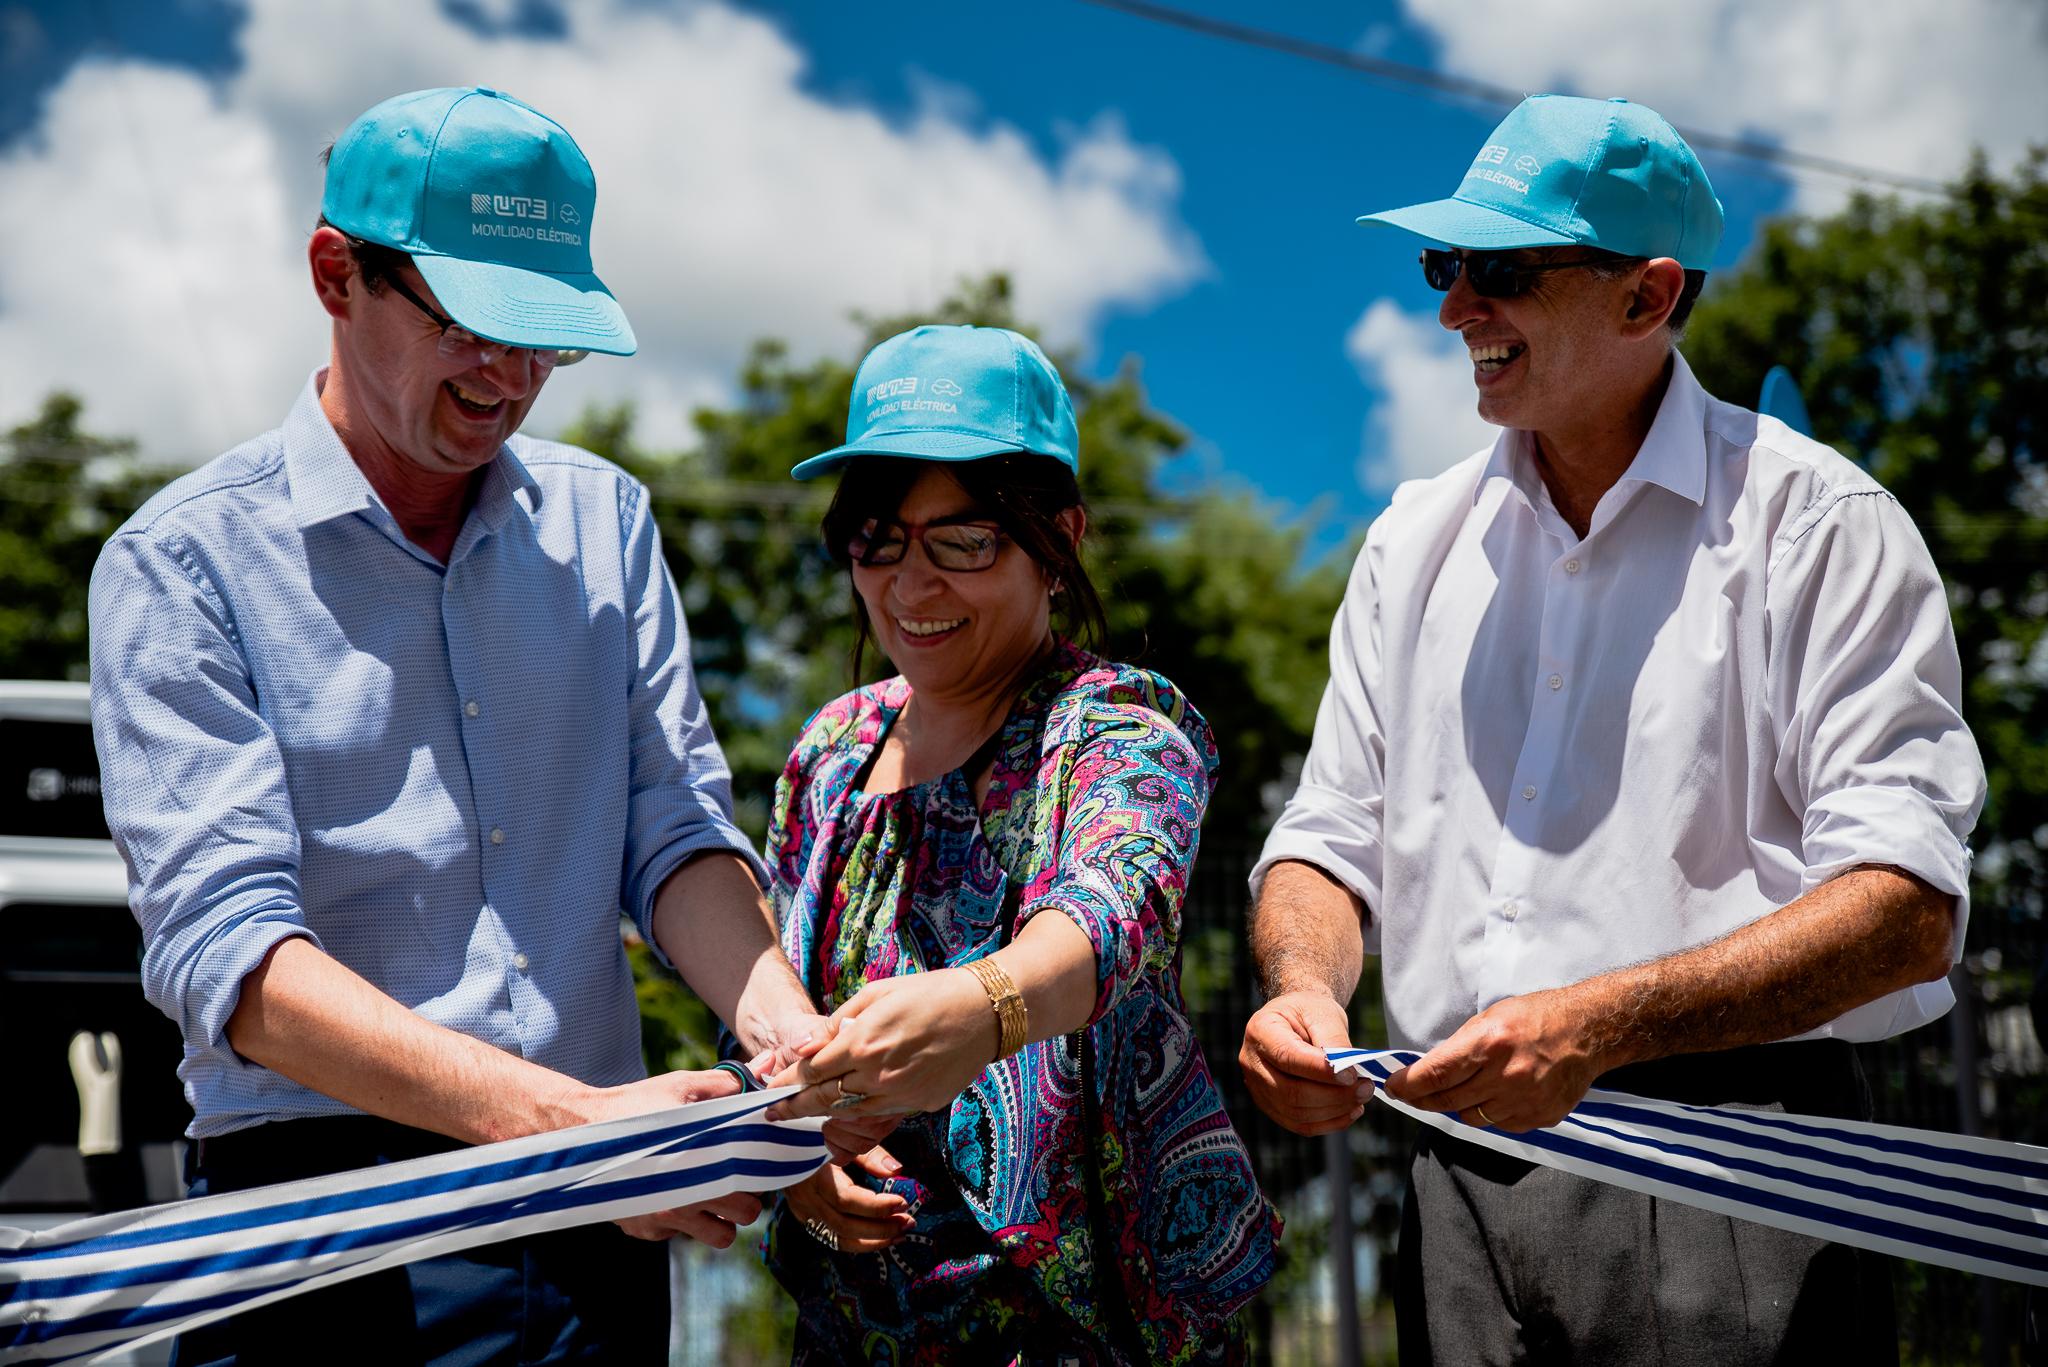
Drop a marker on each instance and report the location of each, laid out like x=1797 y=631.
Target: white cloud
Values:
x=155 y=222
x=1900 y=84
x=148 y=262
x=1426 y=418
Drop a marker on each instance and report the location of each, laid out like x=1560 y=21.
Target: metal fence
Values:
x=1980 y=1070
x=1340 y=1234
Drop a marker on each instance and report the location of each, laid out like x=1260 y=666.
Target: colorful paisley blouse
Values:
x=1101 y=774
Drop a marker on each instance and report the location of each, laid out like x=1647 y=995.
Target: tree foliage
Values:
x=62 y=491
x=1917 y=335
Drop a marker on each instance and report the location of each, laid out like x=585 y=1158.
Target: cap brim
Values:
x=1461 y=223
x=916 y=444
x=527 y=308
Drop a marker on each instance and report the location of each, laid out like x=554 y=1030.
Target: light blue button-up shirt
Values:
x=452 y=778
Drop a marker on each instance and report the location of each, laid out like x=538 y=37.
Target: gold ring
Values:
x=1486 y=1119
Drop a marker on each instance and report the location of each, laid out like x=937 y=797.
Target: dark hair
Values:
x=1022 y=493
x=375 y=262
x=1613 y=265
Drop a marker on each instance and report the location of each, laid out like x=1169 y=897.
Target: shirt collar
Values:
x=1673 y=454
x=326 y=483
x=497 y=498
x=1510 y=461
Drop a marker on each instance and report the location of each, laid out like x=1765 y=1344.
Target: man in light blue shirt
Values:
x=396 y=716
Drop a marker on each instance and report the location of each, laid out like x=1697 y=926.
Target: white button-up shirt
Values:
x=1542 y=758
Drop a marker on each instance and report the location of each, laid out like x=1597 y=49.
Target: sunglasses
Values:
x=1494 y=275
x=964 y=547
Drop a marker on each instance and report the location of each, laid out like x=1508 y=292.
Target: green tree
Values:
x=1916 y=334
x=62 y=491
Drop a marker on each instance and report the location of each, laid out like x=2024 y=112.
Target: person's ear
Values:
x=1653 y=296
x=336 y=279
x=1074 y=522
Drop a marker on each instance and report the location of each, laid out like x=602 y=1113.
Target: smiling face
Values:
x=954 y=633
x=1551 y=357
x=444 y=416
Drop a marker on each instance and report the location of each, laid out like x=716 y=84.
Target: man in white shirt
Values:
x=1641 y=754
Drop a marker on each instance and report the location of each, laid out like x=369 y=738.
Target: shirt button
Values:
x=1528 y=792
x=1556 y=682
x=1510 y=911
x=497 y=836
x=472 y=708
x=519 y=961
x=1571 y=567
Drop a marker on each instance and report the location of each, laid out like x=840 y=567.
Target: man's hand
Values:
x=793 y=1038
x=862 y=1221
x=1521 y=1064
x=715 y=1222
x=782 y=1040
x=1285 y=1067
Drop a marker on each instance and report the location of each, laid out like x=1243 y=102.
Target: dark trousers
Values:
x=1505 y=1262
x=591 y=1294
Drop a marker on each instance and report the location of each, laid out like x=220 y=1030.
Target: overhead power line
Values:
x=1464 y=89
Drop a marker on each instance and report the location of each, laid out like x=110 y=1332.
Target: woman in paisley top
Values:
x=979 y=866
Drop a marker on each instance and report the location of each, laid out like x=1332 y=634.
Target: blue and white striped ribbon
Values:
x=94 y=1287
x=1980 y=1205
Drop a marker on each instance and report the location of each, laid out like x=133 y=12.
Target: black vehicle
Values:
x=95 y=1114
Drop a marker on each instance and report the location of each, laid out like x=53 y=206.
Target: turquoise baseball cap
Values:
x=1560 y=170
x=955 y=393
x=493 y=200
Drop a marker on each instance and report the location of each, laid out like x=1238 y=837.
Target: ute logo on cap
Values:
x=523 y=207
x=895 y=396
x=509 y=206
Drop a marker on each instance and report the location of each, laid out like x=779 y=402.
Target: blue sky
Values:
x=1279 y=156
x=1216 y=183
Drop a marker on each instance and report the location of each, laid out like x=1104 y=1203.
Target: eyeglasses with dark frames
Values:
x=1494 y=275
x=459 y=344
x=964 y=546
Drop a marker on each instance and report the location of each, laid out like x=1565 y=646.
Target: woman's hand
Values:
x=845 y=1216
x=903 y=1045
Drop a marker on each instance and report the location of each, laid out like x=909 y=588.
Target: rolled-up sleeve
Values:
x=1866 y=698
x=194 y=785
x=1334 y=819
x=680 y=790
x=1126 y=829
